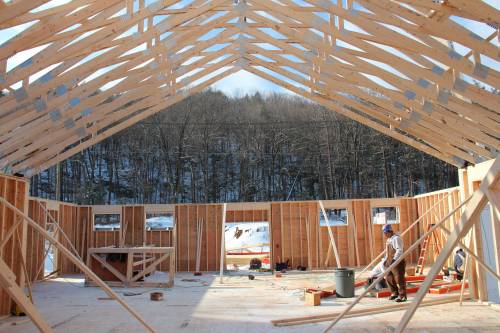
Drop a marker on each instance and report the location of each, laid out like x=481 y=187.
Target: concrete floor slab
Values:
x=202 y=304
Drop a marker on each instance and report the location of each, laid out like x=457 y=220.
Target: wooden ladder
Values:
x=423 y=252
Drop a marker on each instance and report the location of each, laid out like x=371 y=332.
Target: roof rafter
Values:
x=414 y=70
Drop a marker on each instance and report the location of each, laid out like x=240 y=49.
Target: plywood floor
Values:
x=239 y=305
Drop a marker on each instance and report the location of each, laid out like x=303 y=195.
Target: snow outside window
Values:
x=336 y=217
x=106 y=222
x=385 y=215
x=247 y=237
x=159 y=221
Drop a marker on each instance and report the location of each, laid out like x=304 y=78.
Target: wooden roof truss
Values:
x=409 y=69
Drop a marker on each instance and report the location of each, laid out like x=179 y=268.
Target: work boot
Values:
x=400 y=299
x=393 y=297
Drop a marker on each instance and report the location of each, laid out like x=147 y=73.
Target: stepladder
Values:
x=433 y=240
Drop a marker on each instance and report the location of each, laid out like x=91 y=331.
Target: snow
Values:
x=107 y=221
x=336 y=217
x=160 y=222
x=163 y=222
x=247 y=237
x=48 y=265
x=112 y=226
x=385 y=215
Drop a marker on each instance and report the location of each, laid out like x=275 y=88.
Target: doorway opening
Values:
x=247 y=246
x=50 y=260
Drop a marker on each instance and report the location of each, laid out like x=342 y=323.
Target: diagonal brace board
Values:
x=330 y=234
x=393 y=265
x=78 y=263
x=478 y=200
x=8 y=283
x=151 y=267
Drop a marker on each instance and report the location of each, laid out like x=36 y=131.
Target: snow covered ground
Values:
x=114 y=226
x=247 y=237
x=335 y=217
x=48 y=265
x=152 y=223
x=383 y=215
x=160 y=222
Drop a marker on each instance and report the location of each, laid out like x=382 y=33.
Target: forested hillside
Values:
x=213 y=148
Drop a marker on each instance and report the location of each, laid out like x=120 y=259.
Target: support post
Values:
x=172 y=266
x=308 y=234
x=223 y=242
x=59 y=178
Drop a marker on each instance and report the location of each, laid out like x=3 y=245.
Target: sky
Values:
x=243 y=82
x=240 y=83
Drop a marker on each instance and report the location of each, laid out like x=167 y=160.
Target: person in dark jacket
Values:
x=459 y=263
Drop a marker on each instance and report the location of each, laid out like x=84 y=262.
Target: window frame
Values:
x=330 y=208
x=106 y=229
x=398 y=213
x=157 y=213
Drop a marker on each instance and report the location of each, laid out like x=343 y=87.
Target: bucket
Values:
x=344 y=282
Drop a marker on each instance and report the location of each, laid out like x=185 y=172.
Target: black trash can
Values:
x=344 y=282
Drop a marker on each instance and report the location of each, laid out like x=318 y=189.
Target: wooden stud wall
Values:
x=103 y=238
x=69 y=222
x=470 y=180
x=247 y=216
x=369 y=236
x=15 y=190
x=161 y=238
x=186 y=217
x=35 y=246
x=289 y=236
x=133 y=225
x=408 y=214
x=358 y=242
x=361 y=212
x=425 y=202
x=344 y=237
x=86 y=220
x=106 y=238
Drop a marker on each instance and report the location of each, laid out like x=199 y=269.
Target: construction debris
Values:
x=312 y=298
x=255 y=263
x=156 y=296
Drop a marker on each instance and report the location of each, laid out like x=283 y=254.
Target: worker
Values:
x=459 y=263
x=396 y=276
x=377 y=271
